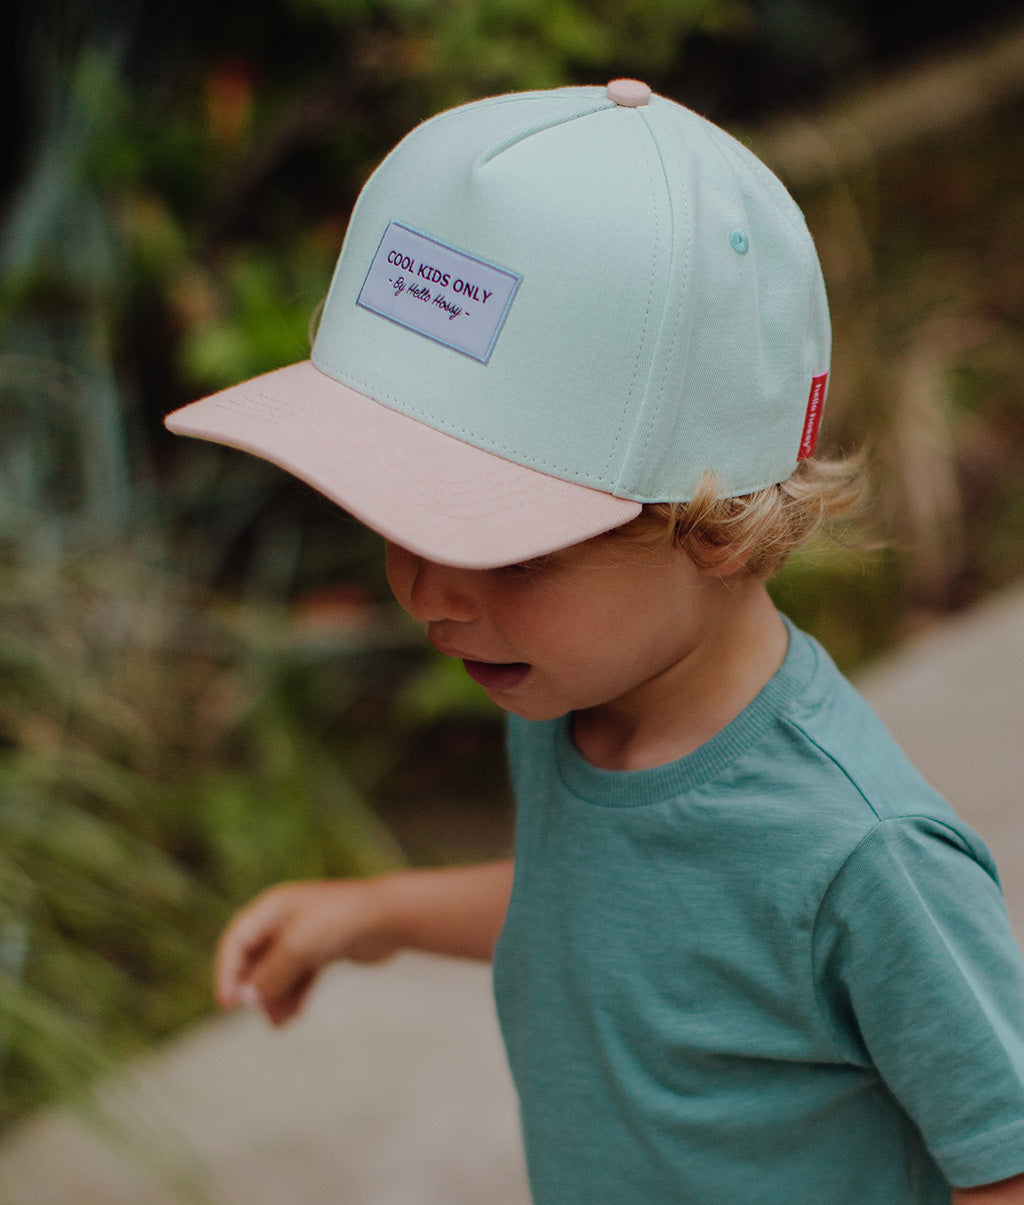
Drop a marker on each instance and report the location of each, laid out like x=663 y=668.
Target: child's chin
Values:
x=529 y=709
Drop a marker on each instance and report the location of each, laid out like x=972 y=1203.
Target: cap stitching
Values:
x=606 y=474
x=432 y=420
x=647 y=434
x=542 y=128
x=513 y=98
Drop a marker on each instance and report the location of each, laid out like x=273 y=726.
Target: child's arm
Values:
x=273 y=950
x=1006 y=1192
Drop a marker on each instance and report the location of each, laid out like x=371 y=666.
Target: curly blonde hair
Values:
x=761 y=529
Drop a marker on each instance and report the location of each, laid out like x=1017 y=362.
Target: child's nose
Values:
x=441 y=592
x=437 y=592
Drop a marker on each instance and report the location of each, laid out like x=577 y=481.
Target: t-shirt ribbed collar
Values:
x=632 y=787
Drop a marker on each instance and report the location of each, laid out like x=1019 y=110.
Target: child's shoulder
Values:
x=856 y=758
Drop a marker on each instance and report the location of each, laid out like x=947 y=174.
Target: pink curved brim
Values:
x=419 y=487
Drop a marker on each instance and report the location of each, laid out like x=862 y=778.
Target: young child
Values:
x=571 y=367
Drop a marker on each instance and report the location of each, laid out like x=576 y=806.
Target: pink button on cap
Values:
x=630 y=93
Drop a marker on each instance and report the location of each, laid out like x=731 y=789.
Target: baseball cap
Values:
x=550 y=308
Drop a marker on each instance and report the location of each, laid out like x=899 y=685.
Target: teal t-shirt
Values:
x=776 y=970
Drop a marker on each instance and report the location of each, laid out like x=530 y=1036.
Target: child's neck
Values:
x=678 y=711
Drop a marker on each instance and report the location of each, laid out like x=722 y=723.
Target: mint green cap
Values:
x=569 y=303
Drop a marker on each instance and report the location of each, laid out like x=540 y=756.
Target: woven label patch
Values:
x=438 y=291
x=812 y=423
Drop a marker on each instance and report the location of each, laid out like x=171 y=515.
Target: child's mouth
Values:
x=497 y=676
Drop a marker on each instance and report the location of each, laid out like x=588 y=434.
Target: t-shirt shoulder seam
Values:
x=791 y=721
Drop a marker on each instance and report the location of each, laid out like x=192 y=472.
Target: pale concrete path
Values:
x=392 y=1089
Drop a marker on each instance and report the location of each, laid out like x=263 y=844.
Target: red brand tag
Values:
x=815 y=405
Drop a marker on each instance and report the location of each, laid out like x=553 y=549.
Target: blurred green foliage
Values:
x=158 y=763
x=188 y=709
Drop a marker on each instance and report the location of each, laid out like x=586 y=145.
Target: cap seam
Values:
x=507 y=98
x=656 y=388
x=631 y=392
x=542 y=128
x=440 y=424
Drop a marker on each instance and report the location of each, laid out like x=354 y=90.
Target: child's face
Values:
x=594 y=624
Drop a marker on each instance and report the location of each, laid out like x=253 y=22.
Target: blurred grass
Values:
x=156 y=769
x=191 y=706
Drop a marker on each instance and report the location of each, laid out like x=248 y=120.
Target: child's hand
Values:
x=273 y=950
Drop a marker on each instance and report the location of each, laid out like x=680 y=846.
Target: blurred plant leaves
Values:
x=156 y=769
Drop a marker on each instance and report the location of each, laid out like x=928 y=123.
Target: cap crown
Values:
x=654 y=307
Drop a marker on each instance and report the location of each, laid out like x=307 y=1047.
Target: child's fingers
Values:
x=248 y=996
x=283 y=974
x=273 y=950
x=283 y=1009
x=241 y=947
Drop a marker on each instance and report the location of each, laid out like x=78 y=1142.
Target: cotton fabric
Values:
x=779 y=969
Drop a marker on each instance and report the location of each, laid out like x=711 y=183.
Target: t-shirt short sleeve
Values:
x=919 y=974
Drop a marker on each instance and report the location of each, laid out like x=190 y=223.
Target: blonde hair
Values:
x=760 y=529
